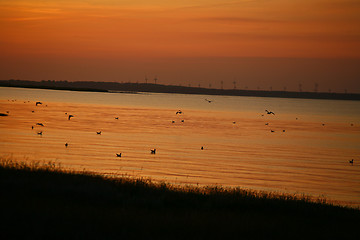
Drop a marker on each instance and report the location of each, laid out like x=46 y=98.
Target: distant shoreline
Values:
x=159 y=88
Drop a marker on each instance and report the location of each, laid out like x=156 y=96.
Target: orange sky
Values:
x=256 y=43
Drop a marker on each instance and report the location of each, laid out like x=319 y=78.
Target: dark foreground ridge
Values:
x=46 y=202
x=158 y=88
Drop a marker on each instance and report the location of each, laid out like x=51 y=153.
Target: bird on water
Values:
x=269 y=112
x=70 y=116
x=66 y=144
x=351 y=161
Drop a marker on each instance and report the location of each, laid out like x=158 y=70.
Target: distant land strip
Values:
x=159 y=88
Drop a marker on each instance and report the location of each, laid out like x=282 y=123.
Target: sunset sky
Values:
x=258 y=44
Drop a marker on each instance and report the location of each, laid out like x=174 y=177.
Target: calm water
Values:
x=311 y=156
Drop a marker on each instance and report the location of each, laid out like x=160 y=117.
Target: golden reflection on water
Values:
x=239 y=148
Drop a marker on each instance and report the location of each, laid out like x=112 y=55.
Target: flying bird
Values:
x=153 y=151
x=269 y=112
x=179 y=112
x=37 y=103
x=40 y=124
x=118 y=154
x=39 y=133
x=351 y=161
x=272 y=131
x=99 y=132
x=70 y=116
x=117 y=118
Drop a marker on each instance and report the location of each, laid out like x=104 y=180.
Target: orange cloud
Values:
x=275 y=28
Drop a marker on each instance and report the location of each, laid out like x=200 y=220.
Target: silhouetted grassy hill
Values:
x=158 y=88
x=46 y=202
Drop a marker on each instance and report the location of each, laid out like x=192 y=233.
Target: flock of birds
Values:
x=152 y=151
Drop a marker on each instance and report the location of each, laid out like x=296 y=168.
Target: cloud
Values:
x=231 y=20
x=343 y=3
x=217 y=5
x=23 y=19
x=257 y=36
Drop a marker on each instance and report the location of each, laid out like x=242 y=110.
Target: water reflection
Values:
x=238 y=148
